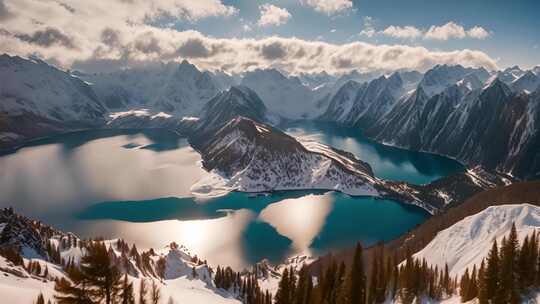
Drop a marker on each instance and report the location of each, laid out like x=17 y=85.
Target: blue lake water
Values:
x=387 y=162
x=135 y=185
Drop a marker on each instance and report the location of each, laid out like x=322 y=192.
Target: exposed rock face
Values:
x=495 y=127
x=454 y=111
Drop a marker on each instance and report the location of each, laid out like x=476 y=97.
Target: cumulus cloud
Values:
x=453 y=30
x=405 y=32
x=450 y=30
x=96 y=38
x=478 y=32
x=273 y=15
x=329 y=7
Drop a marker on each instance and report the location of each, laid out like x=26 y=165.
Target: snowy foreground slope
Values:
x=467 y=242
x=184 y=278
x=18 y=286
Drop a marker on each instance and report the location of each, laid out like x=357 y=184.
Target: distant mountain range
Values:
x=479 y=117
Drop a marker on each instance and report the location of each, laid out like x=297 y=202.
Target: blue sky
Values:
x=297 y=36
x=514 y=26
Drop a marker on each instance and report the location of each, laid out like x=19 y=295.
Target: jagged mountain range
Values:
x=494 y=124
x=478 y=117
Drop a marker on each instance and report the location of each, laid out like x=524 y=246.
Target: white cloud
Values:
x=478 y=32
x=333 y=30
x=120 y=35
x=246 y=28
x=445 y=32
x=453 y=30
x=328 y=7
x=450 y=30
x=405 y=32
x=273 y=15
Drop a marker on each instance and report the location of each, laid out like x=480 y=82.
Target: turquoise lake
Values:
x=135 y=184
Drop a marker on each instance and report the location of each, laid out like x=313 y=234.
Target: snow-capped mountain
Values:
x=146 y=119
x=493 y=127
x=179 y=89
x=376 y=100
x=342 y=102
x=237 y=101
x=440 y=77
x=37 y=99
x=252 y=157
x=314 y=80
x=486 y=125
x=529 y=82
x=510 y=74
x=225 y=80
x=467 y=242
x=286 y=96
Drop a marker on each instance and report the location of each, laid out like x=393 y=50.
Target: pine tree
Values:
x=68 y=293
x=40 y=299
x=491 y=277
x=464 y=286
x=523 y=266
x=126 y=295
x=472 y=289
x=447 y=284
x=155 y=293
x=292 y=285
x=482 y=286
x=357 y=291
x=508 y=278
x=143 y=292
x=302 y=295
x=283 y=292
x=100 y=273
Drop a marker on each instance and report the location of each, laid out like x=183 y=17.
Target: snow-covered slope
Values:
x=467 y=242
x=441 y=76
x=252 y=157
x=174 y=88
x=37 y=99
x=237 y=101
x=286 y=96
x=528 y=82
x=184 y=278
x=342 y=102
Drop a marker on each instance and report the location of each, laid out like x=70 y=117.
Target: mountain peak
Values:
x=498 y=88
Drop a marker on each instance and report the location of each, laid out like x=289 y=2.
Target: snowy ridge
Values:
x=248 y=156
x=467 y=242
